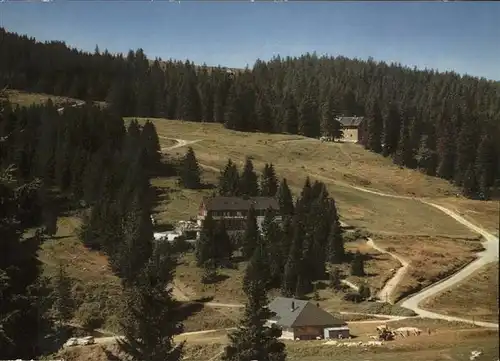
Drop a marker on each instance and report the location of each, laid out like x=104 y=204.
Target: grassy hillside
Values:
x=340 y=166
x=475 y=297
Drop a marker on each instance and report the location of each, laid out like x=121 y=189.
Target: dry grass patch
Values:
x=176 y=203
x=475 y=297
x=431 y=259
x=211 y=318
x=378 y=266
x=338 y=165
x=22 y=98
x=95 y=286
x=485 y=214
x=227 y=289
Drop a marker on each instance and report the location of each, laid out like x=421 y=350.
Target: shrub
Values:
x=89 y=315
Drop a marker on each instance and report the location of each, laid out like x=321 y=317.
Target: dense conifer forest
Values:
x=442 y=123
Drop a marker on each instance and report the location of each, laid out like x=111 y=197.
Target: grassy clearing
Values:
x=475 y=297
x=26 y=99
x=228 y=289
x=338 y=165
x=177 y=203
x=431 y=259
x=96 y=290
x=211 y=318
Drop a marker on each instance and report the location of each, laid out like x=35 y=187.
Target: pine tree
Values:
x=404 y=155
x=308 y=121
x=285 y=199
x=63 y=303
x=290 y=115
x=251 y=237
x=293 y=265
x=229 y=180
x=375 y=128
x=335 y=249
x=190 y=171
x=391 y=130
x=263 y=114
x=357 y=265
x=205 y=245
x=128 y=257
x=20 y=272
x=329 y=124
x=271 y=240
x=223 y=245
x=470 y=184
x=248 y=185
x=486 y=163
x=269 y=181
x=151 y=145
x=253 y=340
x=152 y=317
x=232 y=115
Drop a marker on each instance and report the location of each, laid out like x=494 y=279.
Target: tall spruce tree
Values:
x=152 y=317
x=63 y=302
x=269 y=181
x=272 y=238
x=223 y=245
x=375 y=128
x=335 y=249
x=151 y=145
x=251 y=237
x=285 y=199
x=190 y=171
x=229 y=180
x=205 y=245
x=358 y=265
x=253 y=340
x=248 y=185
x=20 y=272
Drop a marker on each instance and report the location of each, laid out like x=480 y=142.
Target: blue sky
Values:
x=459 y=36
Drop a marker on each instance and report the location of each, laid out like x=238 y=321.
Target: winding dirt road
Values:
x=385 y=293
x=490 y=254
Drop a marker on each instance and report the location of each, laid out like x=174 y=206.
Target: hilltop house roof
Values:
x=350 y=121
x=304 y=313
x=221 y=203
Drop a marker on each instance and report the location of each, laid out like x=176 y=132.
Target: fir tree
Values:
x=205 y=245
x=375 y=128
x=223 y=245
x=253 y=340
x=20 y=272
x=251 y=236
x=151 y=145
x=271 y=240
x=285 y=199
x=470 y=184
x=152 y=317
x=190 y=171
x=486 y=164
x=248 y=185
x=357 y=265
x=63 y=303
x=229 y=180
x=269 y=181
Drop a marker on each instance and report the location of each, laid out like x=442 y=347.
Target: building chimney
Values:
x=293 y=306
